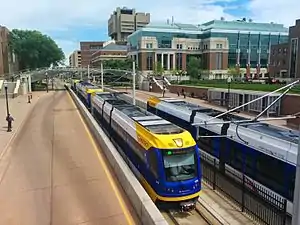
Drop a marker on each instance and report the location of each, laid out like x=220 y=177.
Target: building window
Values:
x=149 y=61
x=179 y=46
x=219 y=61
x=149 y=45
x=293 y=56
x=179 y=61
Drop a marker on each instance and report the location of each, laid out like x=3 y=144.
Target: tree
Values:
x=233 y=71
x=194 y=68
x=158 y=69
x=118 y=64
x=34 y=49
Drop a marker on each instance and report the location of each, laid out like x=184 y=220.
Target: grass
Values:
x=241 y=86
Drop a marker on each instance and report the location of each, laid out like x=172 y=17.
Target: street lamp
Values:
x=7 y=108
x=229 y=80
x=47 y=82
x=6 y=98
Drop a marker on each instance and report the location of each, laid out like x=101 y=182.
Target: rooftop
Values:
x=267 y=129
x=240 y=25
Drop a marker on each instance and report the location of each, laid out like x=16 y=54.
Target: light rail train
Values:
x=163 y=156
x=264 y=153
x=85 y=91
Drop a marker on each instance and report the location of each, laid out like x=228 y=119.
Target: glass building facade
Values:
x=255 y=42
x=242 y=36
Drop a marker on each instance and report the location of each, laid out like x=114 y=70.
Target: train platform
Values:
x=51 y=170
x=221 y=208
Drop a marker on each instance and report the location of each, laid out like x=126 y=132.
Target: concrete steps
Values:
x=12 y=89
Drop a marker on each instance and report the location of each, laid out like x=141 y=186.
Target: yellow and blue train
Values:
x=163 y=156
x=85 y=90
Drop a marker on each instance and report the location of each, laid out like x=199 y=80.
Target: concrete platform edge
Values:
x=146 y=210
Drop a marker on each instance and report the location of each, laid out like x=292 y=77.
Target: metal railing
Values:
x=258 y=202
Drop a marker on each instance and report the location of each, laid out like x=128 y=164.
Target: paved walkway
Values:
x=53 y=172
x=19 y=108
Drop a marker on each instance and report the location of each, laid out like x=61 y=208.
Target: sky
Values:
x=70 y=21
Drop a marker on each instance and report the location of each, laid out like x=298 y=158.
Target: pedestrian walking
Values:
x=9 y=120
x=164 y=91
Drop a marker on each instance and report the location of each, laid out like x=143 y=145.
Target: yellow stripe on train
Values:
x=154 y=196
x=163 y=141
x=93 y=91
x=153 y=101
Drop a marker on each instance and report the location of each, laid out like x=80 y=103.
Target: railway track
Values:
x=185 y=218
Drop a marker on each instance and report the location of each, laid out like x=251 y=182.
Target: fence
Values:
x=259 y=203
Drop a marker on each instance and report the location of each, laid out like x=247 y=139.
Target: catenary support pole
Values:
x=296 y=206
x=102 y=87
x=133 y=82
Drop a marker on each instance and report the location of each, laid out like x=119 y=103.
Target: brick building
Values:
x=285 y=57
x=110 y=51
x=220 y=44
x=279 y=60
x=87 y=49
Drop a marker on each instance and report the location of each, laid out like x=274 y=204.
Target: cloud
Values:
x=58 y=17
x=278 y=11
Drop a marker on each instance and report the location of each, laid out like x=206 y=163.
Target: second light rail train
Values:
x=264 y=153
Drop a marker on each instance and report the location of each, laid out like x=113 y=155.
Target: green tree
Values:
x=194 y=68
x=233 y=71
x=158 y=69
x=118 y=64
x=34 y=49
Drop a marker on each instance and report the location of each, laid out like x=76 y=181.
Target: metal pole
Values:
x=254 y=100
x=133 y=82
x=6 y=99
x=296 y=207
x=228 y=96
x=47 y=83
x=29 y=83
x=88 y=71
x=102 y=87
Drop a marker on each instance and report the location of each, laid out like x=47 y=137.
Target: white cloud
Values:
x=278 y=11
x=60 y=15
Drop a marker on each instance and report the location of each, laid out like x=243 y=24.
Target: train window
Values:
x=236 y=156
x=270 y=171
x=204 y=143
x=180 y=165
x=248 y=162
x=152 y=162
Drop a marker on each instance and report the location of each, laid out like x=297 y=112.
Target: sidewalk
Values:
x=19 y=108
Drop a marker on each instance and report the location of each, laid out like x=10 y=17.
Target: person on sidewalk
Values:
x=9 y=120
x=164 y=91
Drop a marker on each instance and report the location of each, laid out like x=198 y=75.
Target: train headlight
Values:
x=170 y=190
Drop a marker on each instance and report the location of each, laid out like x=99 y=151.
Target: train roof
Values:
x=151 y=122
x=278 y=132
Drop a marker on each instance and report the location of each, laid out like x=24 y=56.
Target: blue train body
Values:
x=267 y=169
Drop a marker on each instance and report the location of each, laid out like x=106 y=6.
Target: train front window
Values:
x=179 y=165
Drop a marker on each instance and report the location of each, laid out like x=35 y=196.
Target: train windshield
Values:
x=179 y=165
